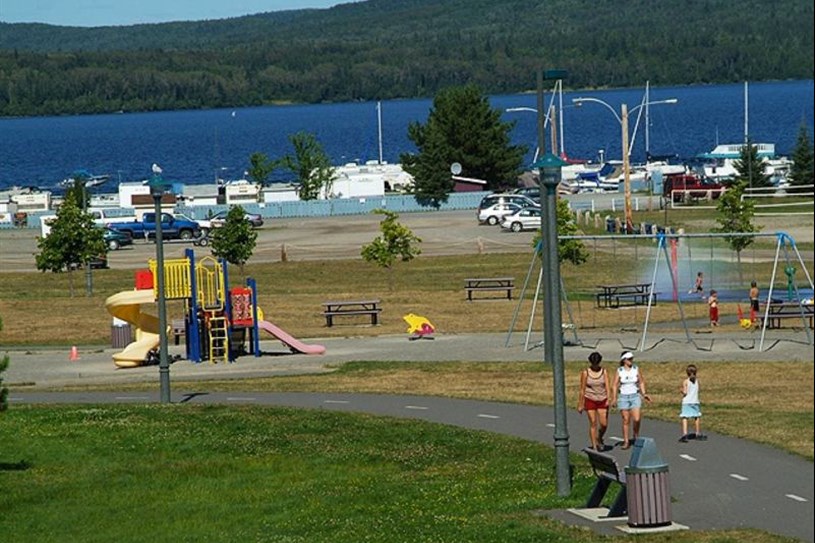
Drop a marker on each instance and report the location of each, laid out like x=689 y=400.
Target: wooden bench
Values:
x=616 y=296
x=351 y=307
x=607 y=471
x=779 y=311
x=488 y=284
x=178 y=328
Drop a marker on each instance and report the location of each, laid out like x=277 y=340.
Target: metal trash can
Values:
x=611 y=225
x=121 y=334
x=648 y=485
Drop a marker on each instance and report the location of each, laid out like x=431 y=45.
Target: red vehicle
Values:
x=686 y=186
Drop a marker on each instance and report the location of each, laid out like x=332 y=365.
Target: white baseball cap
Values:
x=627 y=354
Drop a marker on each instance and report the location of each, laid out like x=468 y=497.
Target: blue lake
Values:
x=196 y=146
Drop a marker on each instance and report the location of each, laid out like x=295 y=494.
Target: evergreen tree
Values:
x=397 y=242
x=736 y=216
x=73 y=242
x=311 y=166
x=235 y=241
x=802 y=172
x=461 y=127
x=750 y=168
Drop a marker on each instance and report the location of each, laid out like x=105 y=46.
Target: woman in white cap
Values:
x=630 y=385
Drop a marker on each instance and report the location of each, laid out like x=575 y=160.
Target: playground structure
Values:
x=776 y=289
x=216 y=318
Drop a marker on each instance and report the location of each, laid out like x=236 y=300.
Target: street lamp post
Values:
x=550 y=170
x=539 y=148
x=157 y=189
x=626 y=152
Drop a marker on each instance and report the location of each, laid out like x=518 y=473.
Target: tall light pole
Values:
x=157 y=188
x=550 y=169
x=538 y=150
x=626 y=151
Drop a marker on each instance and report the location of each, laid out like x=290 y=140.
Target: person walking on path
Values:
x=593 y=399
x=754 y=294
x=629 y=391
x=713 y=302
x=691 y=408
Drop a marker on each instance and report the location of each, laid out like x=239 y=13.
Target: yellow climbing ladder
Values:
x=218 y=337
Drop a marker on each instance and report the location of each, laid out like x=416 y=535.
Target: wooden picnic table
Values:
x=615 y=296
x=487 y=284
x=779 y=311
x=351 y=307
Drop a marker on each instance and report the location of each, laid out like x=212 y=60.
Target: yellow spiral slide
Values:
x=127 y=306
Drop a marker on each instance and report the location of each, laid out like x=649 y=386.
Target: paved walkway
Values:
x=717 y=484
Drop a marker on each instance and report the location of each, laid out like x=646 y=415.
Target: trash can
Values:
x=648 y=486
x=121 y=334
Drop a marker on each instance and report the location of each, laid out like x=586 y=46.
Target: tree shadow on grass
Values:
x=22 y=465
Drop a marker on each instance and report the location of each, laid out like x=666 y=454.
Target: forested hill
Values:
x=381 y=49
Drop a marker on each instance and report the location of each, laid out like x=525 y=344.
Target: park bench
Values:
x=616 y=296
x=607 y=471
x=351 y=307
x=779 y=311
x=489 y=284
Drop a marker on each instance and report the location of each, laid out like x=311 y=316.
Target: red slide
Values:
x=291 y=342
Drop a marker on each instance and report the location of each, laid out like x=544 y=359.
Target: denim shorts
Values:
x=629 y=401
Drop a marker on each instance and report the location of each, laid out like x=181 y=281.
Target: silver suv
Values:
x=518 y=199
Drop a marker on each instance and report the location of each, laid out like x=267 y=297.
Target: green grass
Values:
x=203 y=473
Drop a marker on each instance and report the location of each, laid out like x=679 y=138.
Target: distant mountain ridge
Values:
x=399 y=48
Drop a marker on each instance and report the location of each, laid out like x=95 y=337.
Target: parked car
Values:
x=533 y=193
x=527 y=218
x=98 y=263
x=494 y=213
x=114 y=239
x=518 y=199
x=219 y=219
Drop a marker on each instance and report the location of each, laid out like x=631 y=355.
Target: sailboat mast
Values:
x=746 y=125
x=560 y=108
x=379 y=128
x=647 y=121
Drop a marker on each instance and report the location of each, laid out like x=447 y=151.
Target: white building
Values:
x=370 y=179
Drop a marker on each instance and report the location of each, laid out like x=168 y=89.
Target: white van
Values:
x=101 y=216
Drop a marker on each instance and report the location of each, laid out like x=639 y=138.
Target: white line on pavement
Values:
x=240 y=399
x=336 y=401
x=739 y=477
x=132 y=397
x=417 y=407
x=796 y=498
x=483 y=416
x=688 y=457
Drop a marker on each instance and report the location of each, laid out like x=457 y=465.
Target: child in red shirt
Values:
x=713 y=302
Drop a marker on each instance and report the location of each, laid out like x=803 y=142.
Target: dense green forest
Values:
x=382 y=49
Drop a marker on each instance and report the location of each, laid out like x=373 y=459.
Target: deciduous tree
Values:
x=260 y=167
x=74 y=240
x=234 y=241
x=736 y=217
x=311 y=166
x=397 y=243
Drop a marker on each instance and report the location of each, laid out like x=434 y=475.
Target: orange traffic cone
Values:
x=74 y=354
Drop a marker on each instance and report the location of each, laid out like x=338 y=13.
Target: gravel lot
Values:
x=442 y=233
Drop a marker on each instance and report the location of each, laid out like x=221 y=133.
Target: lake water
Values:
x=198 y=146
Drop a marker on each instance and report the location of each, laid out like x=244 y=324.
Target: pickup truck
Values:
x=682 y=187
x=171 y=227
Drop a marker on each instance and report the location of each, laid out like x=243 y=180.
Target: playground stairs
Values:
x=218 y=338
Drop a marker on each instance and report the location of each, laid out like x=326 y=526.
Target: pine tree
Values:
x=461 y=127
x=802 y=172
x=750 y=168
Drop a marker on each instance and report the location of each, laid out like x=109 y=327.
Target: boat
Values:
x=90 y=180
x=720 y=163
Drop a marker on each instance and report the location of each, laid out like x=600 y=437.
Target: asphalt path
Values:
x=720 y=483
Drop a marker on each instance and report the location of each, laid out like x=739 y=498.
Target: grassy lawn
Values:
x=199 y=473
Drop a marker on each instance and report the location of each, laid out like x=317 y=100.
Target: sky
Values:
x=129 y=12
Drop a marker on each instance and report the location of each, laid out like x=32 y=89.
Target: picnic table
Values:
x=615 y=296
x=351 y=307
x=779 y=311
x=488 y=284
